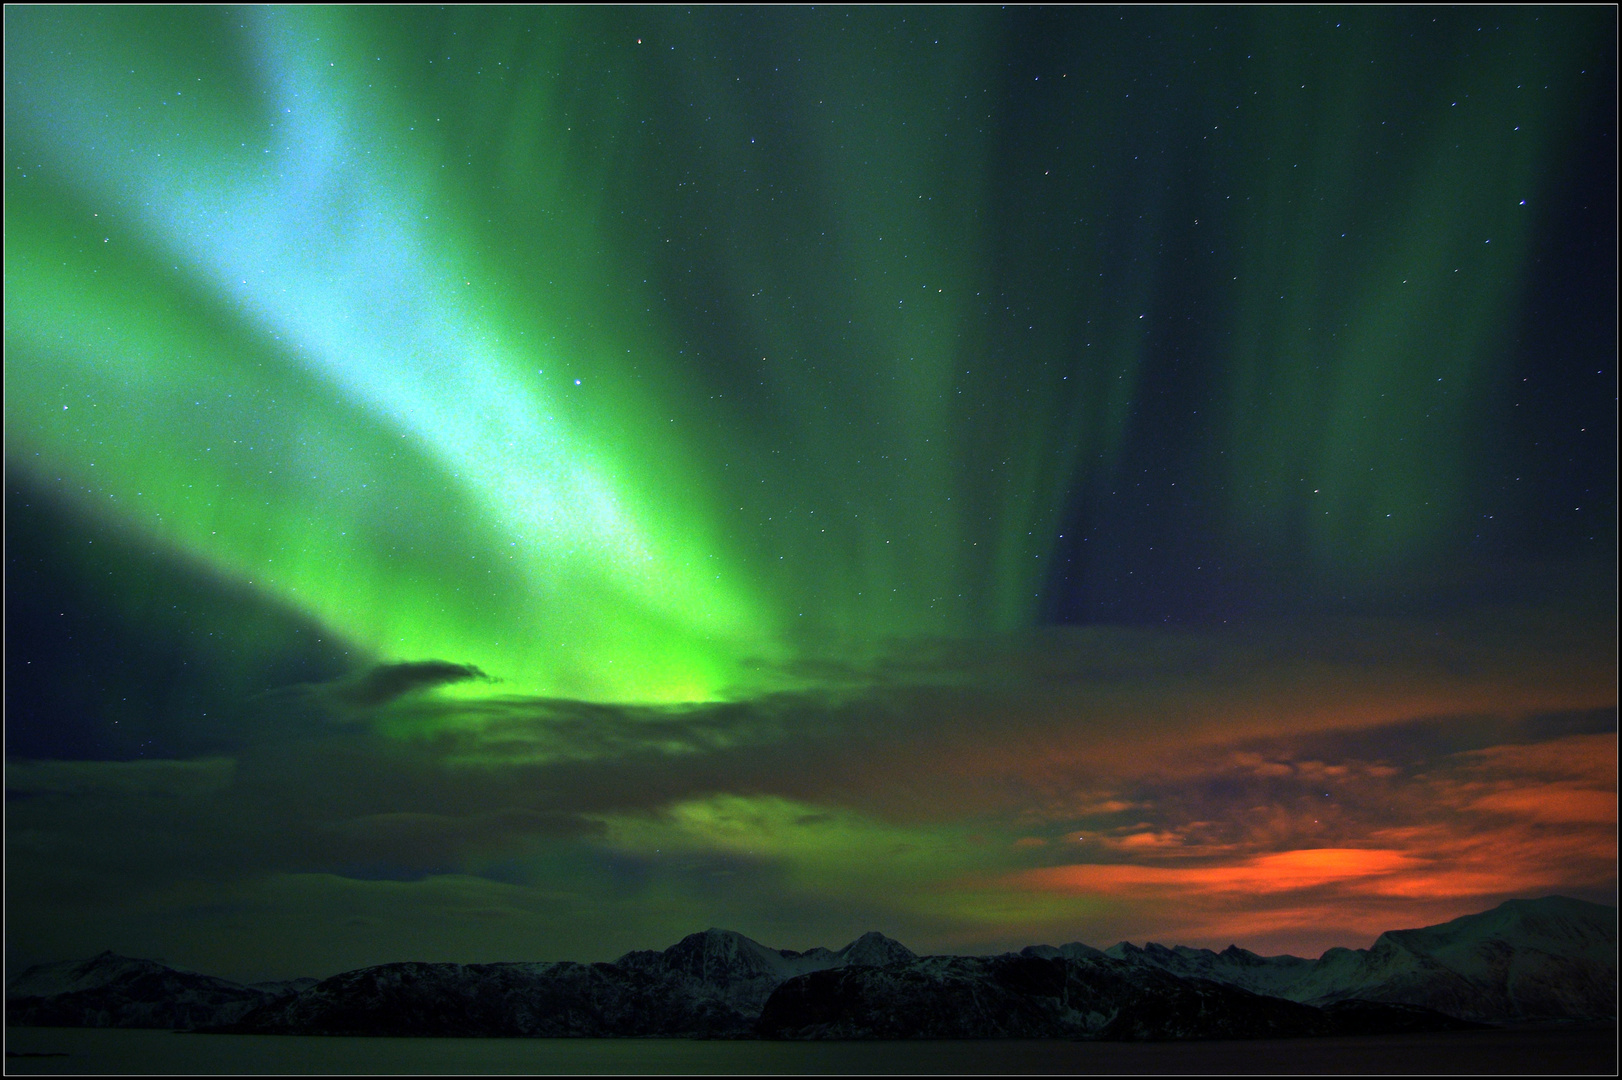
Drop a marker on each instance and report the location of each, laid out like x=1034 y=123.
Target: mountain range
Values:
x=1552 y=959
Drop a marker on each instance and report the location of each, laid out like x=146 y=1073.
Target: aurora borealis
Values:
x=520 y=483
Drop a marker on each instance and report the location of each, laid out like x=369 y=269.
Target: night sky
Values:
x=516 y=484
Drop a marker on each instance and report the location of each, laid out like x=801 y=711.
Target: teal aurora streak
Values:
x=652 y=355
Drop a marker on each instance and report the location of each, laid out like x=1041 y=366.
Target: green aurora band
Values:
x=650 y=355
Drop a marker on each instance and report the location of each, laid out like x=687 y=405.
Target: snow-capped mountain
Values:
x=873 y=949
x=1542 y=959
x=116 y=991
x=1233 y=965
x=1553 y=958
x=713 y=983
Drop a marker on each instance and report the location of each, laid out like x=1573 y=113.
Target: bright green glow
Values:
x=818 y=847
x=538 y=569
x=490 y=336
x=950 y=872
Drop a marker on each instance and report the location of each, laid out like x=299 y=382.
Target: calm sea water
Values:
x=86 y=1050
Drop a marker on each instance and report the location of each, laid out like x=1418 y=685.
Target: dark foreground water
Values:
x=90 y=1050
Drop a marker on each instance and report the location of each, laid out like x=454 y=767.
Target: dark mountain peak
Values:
x=818 y=954
x=1557 y=902
x=108 y=958
x=1074 y=950
x=103 y=969
x=1233 y=954
x=718 y=955
x=279 y=987
x=873 y=949
x=110 y=990
x=714 y=938
x=1560 y=917
x=1554 y=924
x=1547 y=959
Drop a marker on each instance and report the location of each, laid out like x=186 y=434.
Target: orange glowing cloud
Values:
x=1284 y=871
x=1308 y=850
x=1552 y=803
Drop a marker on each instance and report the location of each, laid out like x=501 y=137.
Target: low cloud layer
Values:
x=1283 y=794
x=200 y=776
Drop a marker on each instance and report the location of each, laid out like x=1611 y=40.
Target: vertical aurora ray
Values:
x=641 y=355
x=1387 y=232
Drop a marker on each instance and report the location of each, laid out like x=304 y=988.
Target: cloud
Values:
x=386 y=682
x=520 y=731
x=1192 y=789
x=417 y=843
x=1042 y=724
x=1553 y=804
x=825 y=848
x=1300 y=845
x=170 y=778
x=1257 y=875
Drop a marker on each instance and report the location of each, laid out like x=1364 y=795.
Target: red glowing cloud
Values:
x=1304 y=851
x=1281 y=872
